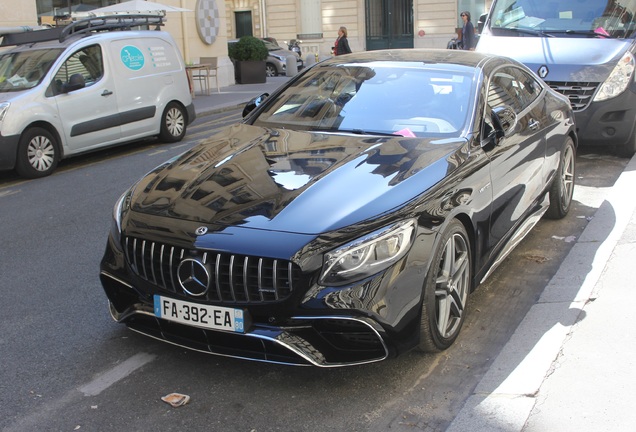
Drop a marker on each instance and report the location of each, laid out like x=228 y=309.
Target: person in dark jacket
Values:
x=468 y=32
x=342 y=44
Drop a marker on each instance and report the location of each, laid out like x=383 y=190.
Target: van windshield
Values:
x=25 y=69
x=564 y=18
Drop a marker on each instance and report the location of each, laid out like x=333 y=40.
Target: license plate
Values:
x=194 y=314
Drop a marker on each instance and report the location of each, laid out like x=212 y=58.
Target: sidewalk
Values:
x=234 y=95
x=571 y=363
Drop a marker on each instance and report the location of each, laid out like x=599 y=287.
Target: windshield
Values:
x=591 y=18
x=397 y=98
x=271 y=46
x=25 y=69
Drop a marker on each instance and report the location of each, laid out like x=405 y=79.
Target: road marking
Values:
x=117 y=373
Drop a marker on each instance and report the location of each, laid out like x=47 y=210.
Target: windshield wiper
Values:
x=585 y=33
x=525 y=31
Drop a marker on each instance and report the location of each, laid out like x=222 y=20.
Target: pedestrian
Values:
x=468 y=32
x=342 y=44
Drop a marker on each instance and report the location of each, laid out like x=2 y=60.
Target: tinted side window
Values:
x=87 y=62
x=514 y=87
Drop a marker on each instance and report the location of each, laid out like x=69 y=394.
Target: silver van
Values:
x=70 y=90
x=583 y=49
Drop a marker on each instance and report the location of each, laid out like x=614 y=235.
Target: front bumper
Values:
x=8 y=151
x=325 y=341
x=608 y=123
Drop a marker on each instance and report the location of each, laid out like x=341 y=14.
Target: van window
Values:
x=23 y=70
x=87 y=62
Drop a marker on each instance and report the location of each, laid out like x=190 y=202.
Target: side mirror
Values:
x=75 y=82
x=481 y=22
x=254 y=103
x=504 y=119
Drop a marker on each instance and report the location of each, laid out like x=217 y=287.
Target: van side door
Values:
x=88 y=112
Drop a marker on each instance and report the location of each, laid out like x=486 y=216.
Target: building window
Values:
x=475 y=7
x=310 y=19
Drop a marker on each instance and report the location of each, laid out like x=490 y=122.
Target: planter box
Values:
x=250 y=72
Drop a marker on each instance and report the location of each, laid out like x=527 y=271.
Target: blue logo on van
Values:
x=132 y=57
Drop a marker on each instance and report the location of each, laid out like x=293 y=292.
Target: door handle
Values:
x=533 y=124
x=107 y=93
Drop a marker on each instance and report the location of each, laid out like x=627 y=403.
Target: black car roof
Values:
x=447 y=57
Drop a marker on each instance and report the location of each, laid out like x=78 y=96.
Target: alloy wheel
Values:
x=452 y=285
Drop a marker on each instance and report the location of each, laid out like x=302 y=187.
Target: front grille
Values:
x=233 y=278
x=579 y=93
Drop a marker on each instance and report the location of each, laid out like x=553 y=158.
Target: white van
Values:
x=65 y=91
x=584 y=49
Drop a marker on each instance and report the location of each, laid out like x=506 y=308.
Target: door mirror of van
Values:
x=75 y=82
x=252 y=104
x=482 y=22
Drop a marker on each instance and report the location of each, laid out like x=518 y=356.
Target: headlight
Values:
x=121 y=207
x=368 y=255
x=618 y=80
x=4 y=107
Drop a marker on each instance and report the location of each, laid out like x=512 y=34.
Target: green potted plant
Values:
x=249 y=55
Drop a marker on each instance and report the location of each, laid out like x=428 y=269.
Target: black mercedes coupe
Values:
x=350 y=214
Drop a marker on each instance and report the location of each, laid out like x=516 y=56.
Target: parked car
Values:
x=134 y=83
x=277 y=57
x=351 y=213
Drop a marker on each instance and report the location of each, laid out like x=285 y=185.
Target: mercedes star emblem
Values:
x=193 y=277
x=201 y=230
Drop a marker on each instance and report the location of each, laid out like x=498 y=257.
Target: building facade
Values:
x=204 y=29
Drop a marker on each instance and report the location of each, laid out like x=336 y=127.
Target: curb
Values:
x=507 y=394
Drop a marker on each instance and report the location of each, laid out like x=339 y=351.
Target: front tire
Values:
x=562 y=188
x=173 y=123
x=38 y=153
x=270 y=70
x=446 y=290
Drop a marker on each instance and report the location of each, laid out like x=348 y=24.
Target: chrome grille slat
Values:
x=152 y=261
x=171 y=266
x=236 y=279
x=217 y=277
x=163 y=276
x=245 y=278
x=579 y=93
x=143 y=261
x=231 y=278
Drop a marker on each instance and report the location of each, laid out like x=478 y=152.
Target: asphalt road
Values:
x=67 y=366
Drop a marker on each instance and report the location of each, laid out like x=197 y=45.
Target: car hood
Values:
x=298 y=182
x=567 y=59
x=284 y=53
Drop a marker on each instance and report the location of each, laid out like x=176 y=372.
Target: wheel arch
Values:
x=51 y=129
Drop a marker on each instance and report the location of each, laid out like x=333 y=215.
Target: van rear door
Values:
x=89 y=115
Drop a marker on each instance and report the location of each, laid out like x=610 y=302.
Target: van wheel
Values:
x=173 y=123
x=270 y=70
x=38 y=153
x=446 y=290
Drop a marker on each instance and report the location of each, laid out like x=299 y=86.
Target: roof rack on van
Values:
x=27 y=35
x=111 y=22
